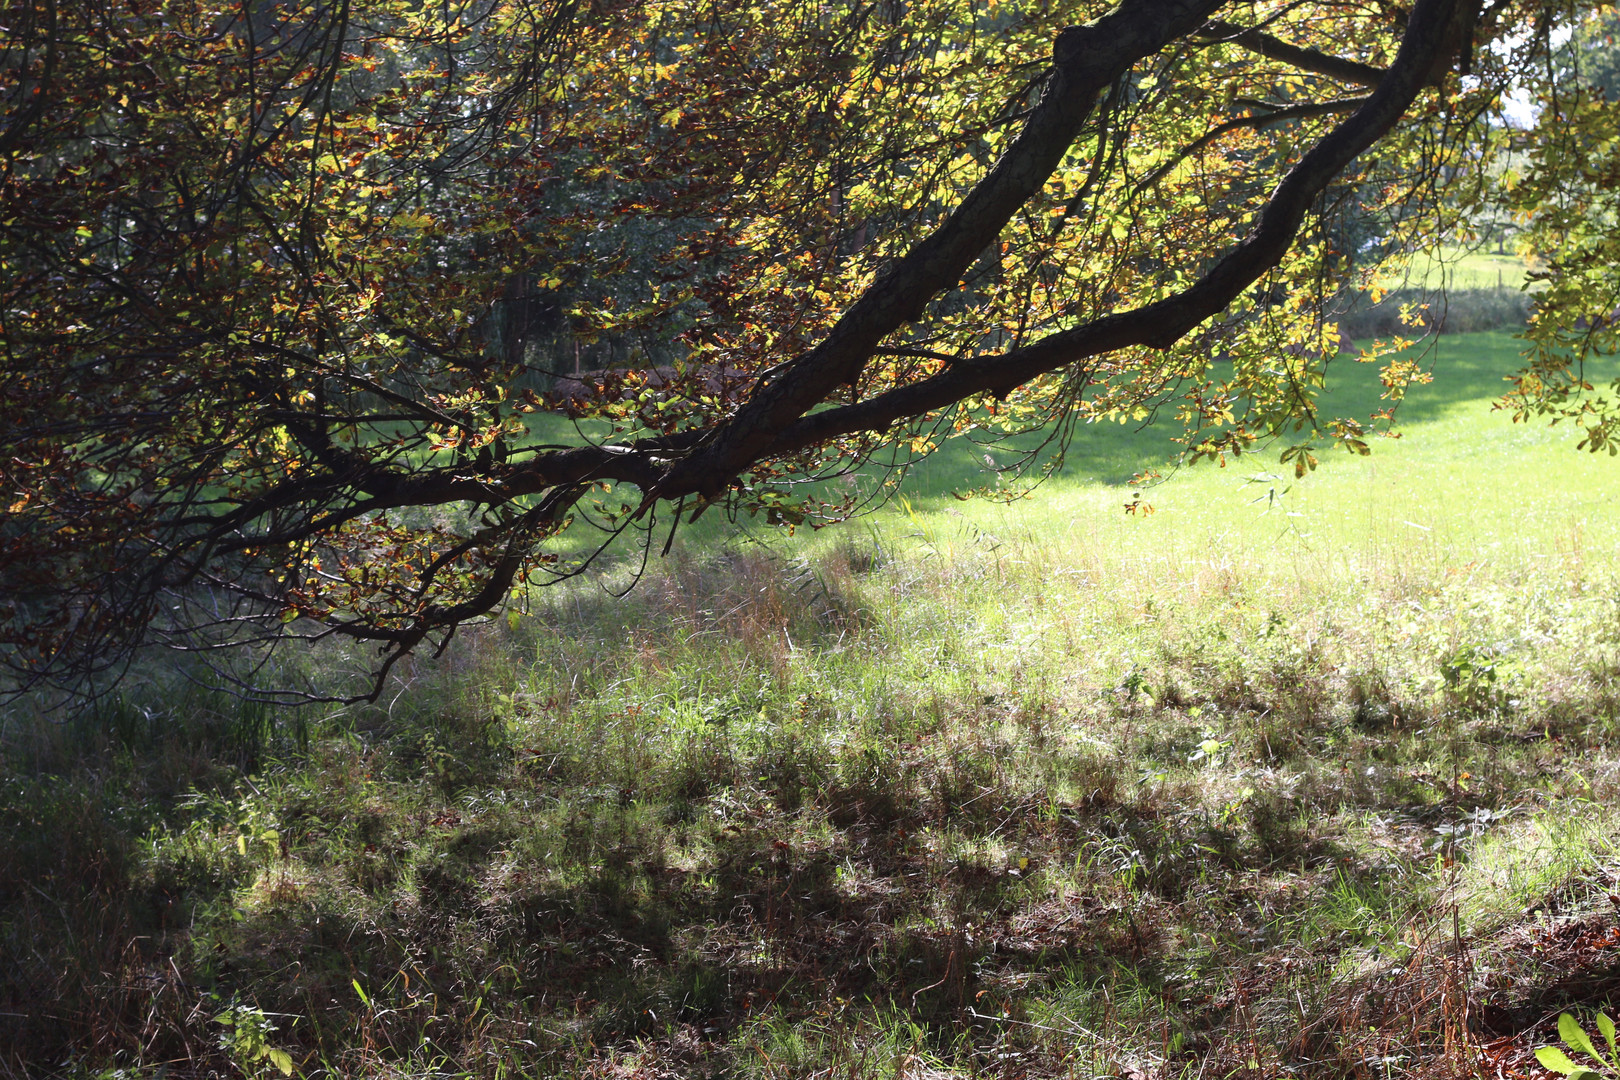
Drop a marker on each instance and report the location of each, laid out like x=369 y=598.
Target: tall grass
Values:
x=1288 y=777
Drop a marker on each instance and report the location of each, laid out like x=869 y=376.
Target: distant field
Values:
x=1470 y=268
x=1469 y=372
x=1289 y=778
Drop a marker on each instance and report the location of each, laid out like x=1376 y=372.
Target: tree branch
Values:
x=1432 y=30
x=1087 y=59
x=1217 y=32
x=1253 y=120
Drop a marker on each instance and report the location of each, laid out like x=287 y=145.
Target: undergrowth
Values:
x=787 y=817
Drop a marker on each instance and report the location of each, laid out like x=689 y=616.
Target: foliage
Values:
x=1576 y=1038
x=1567 y=201
x=1590 y=56
x=247 y=1039
x=287 y=292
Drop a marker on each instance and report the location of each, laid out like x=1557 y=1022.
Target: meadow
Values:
x=1470 y=266
x=1289 y=777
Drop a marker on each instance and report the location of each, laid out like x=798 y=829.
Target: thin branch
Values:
x=1253 y=120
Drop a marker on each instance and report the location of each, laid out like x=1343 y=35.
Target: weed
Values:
x=247 y=1039
x=1576 y=1038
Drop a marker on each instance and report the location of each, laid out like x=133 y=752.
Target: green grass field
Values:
x=1288 y=778
x=1475 y=267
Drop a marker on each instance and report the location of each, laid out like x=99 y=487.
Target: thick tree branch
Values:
x=270 y=486
x=1433 y=29
x=1087 y=59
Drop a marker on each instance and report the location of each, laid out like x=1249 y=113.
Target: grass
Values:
x=1468 y=372
x=1287 y=778
x=1470 y=267
x=1459 y=290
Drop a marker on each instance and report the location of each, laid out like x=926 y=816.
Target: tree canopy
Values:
x=338 y=318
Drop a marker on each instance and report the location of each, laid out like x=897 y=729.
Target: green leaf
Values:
x=1575 y=1036
x=1606 y=1026
x=282 y=1061
x=1555 y=1059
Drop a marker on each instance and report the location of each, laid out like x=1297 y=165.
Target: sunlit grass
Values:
x=1460 y=481
x=1479 y=266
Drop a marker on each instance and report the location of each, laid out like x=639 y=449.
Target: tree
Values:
x=271 y=274
x=1589 y=58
